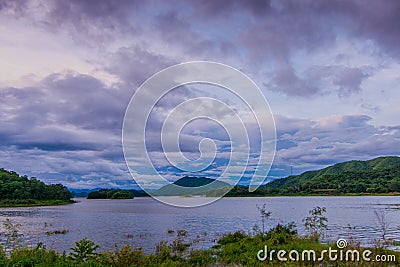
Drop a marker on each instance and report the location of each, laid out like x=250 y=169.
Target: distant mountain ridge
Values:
x=378 y=175
x=191 y=186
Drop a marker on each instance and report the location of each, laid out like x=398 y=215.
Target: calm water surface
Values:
x=144 y=222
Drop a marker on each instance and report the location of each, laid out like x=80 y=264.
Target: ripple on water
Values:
x=144 y=222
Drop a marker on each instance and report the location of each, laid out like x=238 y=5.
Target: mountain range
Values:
x=377 y=176
x=192 y=186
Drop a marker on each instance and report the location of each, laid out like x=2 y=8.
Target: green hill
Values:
x=18 y=190
x=354 y=165
x=379 y=175
x=191 y=186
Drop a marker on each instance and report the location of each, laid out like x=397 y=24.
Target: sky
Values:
x=330 y=71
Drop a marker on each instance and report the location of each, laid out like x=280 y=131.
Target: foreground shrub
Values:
x=36 y=257
x=3 y=258
x=127 y=256
x=281 y=234
x=83 y=250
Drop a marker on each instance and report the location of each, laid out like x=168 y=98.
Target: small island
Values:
x=16 y=191
x=111 y=194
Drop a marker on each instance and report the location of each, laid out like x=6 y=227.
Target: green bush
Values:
x=281 y=234
x=127 y=256
x=83 y=250
x=237 y=249
x=232 y=238
x=3 y=258
x=35 y=257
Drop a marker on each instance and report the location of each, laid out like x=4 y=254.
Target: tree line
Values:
x=111 y=194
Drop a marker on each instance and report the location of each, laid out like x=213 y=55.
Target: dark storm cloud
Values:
x=92 y=23
x=275 y=25
x=64 y=110
x=76 y=169
x=267 y=32
x=68 y=126
x=348 y=80
x=93 y=9
x=136 y=64
x=85 y=101
x=218 y=8
x=15 y=5
x=312 y=24
x=177 y=32
x=286 y=28
x=293 y=26
x=318 y=80
x=374 y=20
x=99 y=19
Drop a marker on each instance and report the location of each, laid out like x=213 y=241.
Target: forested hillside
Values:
x=376 y=176
x=21 y=190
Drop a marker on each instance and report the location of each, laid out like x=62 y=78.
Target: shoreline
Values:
x=38 y=203
x=394 y=194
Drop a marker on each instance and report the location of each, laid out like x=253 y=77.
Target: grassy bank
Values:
x=32 y=203
x=236 y=249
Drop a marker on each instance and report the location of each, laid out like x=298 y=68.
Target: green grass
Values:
x=235 y=249
x=32 y=202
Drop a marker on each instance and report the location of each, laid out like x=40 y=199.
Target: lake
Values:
x=144 y=222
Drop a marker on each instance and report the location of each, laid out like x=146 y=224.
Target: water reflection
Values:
x=144 y=222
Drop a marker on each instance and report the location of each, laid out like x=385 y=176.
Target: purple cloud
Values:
x=70 y=118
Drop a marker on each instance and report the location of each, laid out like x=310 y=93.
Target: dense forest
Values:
x=111 y=194
x=377 y=176
x=21 y=190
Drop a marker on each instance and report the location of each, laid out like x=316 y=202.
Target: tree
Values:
x=264 y=214
x=316 y=223
x=83 y=250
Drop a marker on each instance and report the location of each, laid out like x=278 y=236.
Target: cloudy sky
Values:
x=329 y=69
